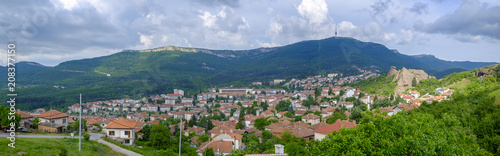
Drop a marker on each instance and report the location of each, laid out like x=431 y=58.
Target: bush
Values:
x=86 y=137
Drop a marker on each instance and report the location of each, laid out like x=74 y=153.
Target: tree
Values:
x=203 y=138
x=208 y=152
x=294 y=149
x=146 y=131
x=6 y=117
x=76 y=125
x=160 y=136
x=336 y=115
x=283 y=106
x=241 y=120
x=289 y=114
x=261 y=123
x=35 y=123
x=414 y=82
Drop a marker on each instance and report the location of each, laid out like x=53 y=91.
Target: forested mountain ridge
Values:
x=134 y=73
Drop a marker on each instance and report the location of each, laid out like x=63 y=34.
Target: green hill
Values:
x=132 y=73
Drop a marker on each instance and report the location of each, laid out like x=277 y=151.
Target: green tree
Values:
x=203 y=138
x=414 y=82
x=160 y=136
x=35 y=123
x=336 y=115
x=261 y=123
x=208 y=152
x=6 y=117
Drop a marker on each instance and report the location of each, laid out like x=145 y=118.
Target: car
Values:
x=21 y=129
x=4 y=129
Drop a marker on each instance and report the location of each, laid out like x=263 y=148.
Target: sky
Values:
x=53 y=31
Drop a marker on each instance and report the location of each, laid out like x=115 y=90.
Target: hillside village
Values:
x=227 y=115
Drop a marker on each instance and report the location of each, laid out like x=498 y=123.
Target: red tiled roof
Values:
x=217 y=146
x=122 y=123
x=24 y=115
x=53 y=114
x=335 y=127
x=310 y=116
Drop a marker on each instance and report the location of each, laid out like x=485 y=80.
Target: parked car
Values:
x=4 y=129
x=21 y=129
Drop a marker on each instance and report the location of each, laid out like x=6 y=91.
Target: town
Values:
x=307 y=108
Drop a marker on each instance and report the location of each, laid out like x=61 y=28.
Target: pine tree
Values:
x=414 y=82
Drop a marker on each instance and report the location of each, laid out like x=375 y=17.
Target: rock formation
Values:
x=404 y=77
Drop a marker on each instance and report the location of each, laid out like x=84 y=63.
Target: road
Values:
x=93 y=136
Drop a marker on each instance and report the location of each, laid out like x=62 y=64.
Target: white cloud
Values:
x=315 y=11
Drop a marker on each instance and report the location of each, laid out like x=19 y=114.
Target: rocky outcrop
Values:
x=488 y=70
x=404 y=77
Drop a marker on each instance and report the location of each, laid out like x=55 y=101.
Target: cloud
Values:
x=471 y=19
x=216 y=3
x=313 y=23
x=315 y=11
x=419 y=8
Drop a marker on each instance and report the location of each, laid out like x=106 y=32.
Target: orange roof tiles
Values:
x=53 y=114
x=335 y=127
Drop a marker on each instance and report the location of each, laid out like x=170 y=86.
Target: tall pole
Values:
x=180 y=137
x=80 y=127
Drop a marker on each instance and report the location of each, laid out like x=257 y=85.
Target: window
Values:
x=112 y=133
x=64 y=121
x=127 y=141
x=127 y=132
x=53 y=121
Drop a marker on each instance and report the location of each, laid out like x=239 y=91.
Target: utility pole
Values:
x=80 y=127
x=180 y=137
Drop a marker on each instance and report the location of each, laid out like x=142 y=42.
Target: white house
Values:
x=122 y=130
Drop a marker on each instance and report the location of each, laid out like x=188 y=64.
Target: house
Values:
x=402 y=106
x=320 y=133
x=53 y=121
x=195 y=129
x=324 y=104
x=219 y=147
x=347 y=105
x=389 y=110
x=173 y=96
x=186 y=100
x=278 y=81
x=26 y=119
x=228 y=136
x=300 y=112
x=121 y=130
x=170 y=101
x=408 y=98
x=220 y=129
x=311 y=118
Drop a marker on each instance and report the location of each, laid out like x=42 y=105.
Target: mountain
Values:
x=135 y=73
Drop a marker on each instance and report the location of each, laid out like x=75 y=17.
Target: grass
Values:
x=54 y=146
x=496 y=94
x=43 y=133
x=143 y=151
x=460 y=85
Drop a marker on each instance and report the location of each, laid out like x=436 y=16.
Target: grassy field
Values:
x=143 y=151
x=53 y=146
x=43 y=133
x=460 y=84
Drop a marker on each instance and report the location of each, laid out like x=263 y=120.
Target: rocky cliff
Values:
x=404 y=77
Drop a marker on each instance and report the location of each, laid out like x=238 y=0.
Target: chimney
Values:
x=279 y=149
